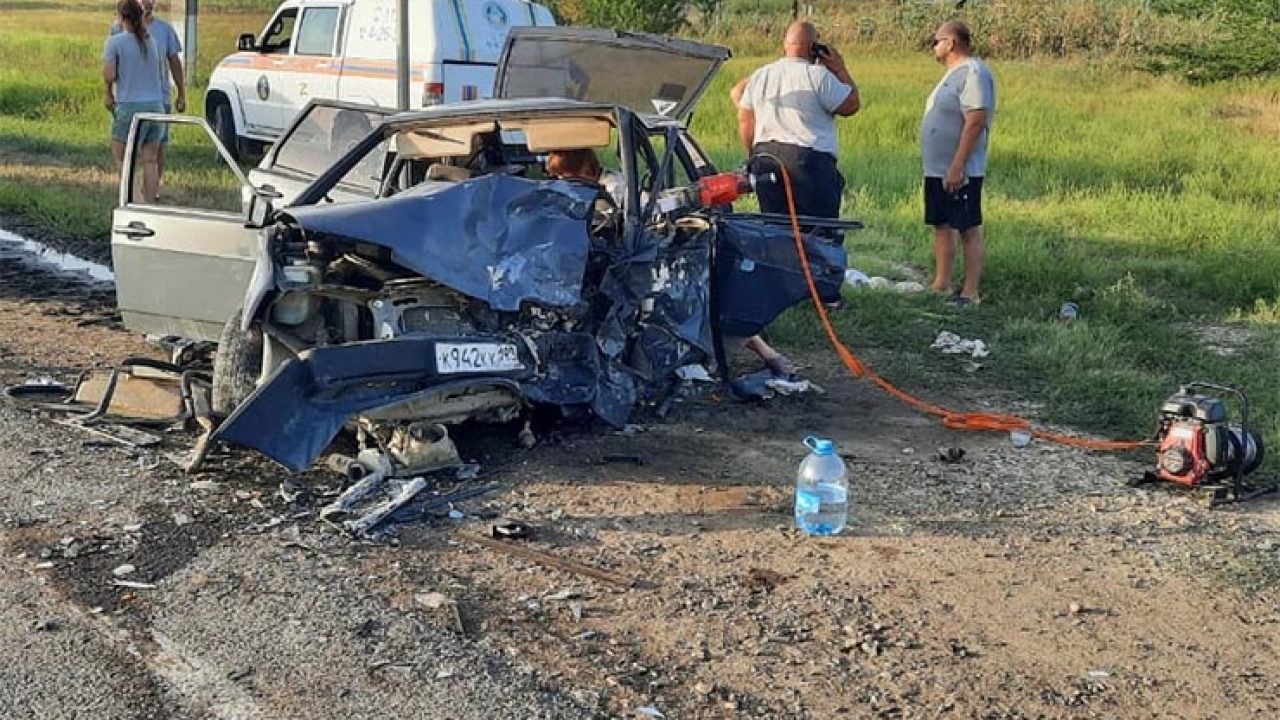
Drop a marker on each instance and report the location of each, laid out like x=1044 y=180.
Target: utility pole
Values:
x=402 y=58
x=189 y=35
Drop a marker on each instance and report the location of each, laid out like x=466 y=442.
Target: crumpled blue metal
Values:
x=497 y=238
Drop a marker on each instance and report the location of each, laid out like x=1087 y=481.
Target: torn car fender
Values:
x=262 y=281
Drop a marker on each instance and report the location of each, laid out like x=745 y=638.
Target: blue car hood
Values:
x=501 y=239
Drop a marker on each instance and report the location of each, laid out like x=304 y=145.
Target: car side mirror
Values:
x=257 y=205
x=246 y=41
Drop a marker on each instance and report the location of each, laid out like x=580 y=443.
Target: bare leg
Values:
x=757 y=345
x=774 y=360
x=944 y=257
x=117 y=152
x=160 y=165
x=975 y=255
x=150 y=173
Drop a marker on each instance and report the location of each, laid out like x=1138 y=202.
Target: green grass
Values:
x=1150 y=203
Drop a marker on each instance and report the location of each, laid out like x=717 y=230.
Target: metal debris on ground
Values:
x=134 y=585
x=362 y=526
x=552 y=561
x=432 y=600
x=510 y=530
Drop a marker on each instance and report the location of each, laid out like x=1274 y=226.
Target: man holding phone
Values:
x=786 y=113
x=953 y=150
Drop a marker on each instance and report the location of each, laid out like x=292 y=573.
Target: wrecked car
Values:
x=433 y=273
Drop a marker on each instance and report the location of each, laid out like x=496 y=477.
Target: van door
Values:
x=182 y=261
x=314 y=69
x=648 y=74
x=260 y=89
x=471 y=36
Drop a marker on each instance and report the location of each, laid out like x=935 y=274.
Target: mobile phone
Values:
x=818 y=50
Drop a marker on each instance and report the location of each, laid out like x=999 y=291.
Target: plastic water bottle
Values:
x=822 y=489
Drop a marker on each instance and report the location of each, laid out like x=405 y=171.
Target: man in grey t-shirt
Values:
x=953 y=151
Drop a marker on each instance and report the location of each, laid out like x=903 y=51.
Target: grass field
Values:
x=1150 y=203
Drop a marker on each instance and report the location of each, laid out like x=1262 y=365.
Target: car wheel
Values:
x=236 y=365
x=224 y=126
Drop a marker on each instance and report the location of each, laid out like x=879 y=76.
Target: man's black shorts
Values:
x=961 y=209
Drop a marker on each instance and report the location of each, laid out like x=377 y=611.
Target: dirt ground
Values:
x=1012 y=583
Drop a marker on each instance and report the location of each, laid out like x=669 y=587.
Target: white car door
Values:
x=183 y=260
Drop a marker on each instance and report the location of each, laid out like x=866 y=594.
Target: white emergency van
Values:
x=346 y=50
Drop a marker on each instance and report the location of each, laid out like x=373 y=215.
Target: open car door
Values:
x=647 y=74
x=182 y=260
x=321 y=133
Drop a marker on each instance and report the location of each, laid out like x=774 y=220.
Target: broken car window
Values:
x=206 y=185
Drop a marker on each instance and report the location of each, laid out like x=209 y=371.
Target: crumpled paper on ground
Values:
x=763 y=385
x=858 y=279
x=952 y=344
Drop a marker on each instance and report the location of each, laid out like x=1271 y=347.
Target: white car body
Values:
x=346 y=50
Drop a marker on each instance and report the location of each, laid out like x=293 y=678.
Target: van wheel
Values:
x=224 y=126
x=236 y=365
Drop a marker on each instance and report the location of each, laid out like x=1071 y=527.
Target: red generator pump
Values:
x=1197 y=445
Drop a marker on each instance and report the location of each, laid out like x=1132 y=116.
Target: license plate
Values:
x=476 y=357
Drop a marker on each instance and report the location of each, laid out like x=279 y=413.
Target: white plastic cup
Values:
x=1020 y=438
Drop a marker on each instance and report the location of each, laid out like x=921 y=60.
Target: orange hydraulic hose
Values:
x=957 y=421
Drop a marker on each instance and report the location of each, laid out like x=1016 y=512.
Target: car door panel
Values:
x=180 y=270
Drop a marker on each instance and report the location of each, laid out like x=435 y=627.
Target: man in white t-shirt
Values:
x=786 y=114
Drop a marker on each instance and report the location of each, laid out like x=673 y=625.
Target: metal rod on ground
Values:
x=549 y=560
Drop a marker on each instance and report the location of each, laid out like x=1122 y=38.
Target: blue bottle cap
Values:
x=820 y=446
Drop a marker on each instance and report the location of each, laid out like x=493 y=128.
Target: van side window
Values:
x=316 y=32
x=277 y=37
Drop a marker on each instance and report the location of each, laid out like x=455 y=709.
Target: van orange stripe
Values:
x=317 y=66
